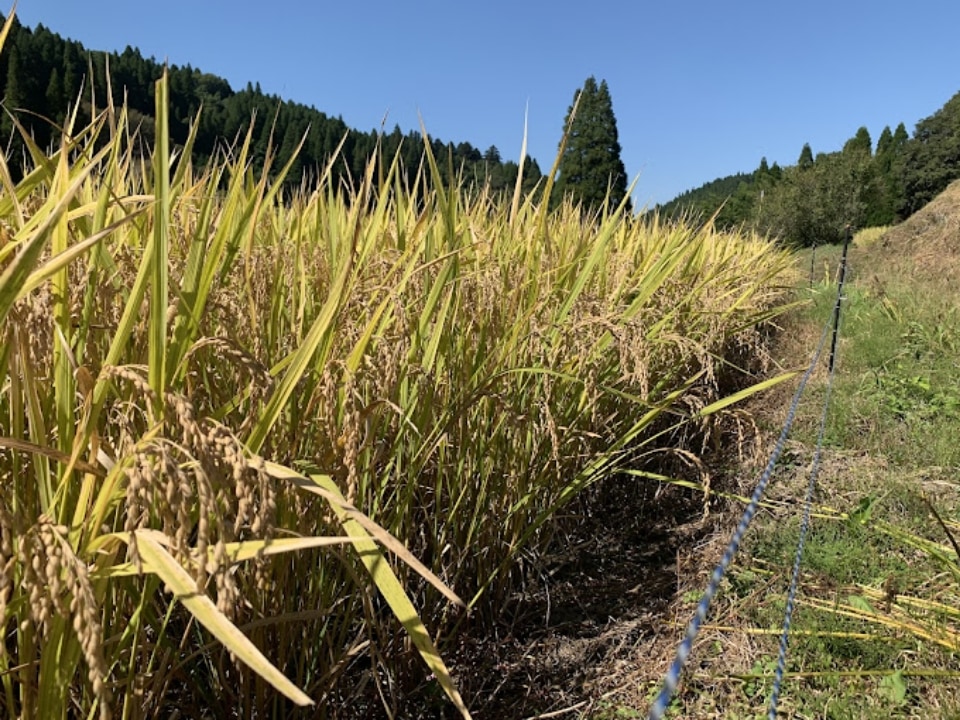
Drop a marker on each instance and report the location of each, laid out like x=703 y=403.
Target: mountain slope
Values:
x=930 y=239
x=42 y=75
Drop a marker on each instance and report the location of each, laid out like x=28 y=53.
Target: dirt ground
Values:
x=600 y=620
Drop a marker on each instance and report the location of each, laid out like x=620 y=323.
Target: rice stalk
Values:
x=270 y=440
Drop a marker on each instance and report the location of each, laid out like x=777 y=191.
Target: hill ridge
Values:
x=226 y=113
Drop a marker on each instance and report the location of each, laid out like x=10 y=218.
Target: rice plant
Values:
x=252 y=443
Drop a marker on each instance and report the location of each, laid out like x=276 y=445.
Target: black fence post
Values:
x=848 y=236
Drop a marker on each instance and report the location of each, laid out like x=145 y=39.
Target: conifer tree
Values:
x=884 y=142
x=13 y=93
x=806 y=157
x=900 y=137
x=56 y=107
x=591 y=170
x=859 y=143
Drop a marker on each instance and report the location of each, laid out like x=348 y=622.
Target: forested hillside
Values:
x=863 y=184
x=43 y=74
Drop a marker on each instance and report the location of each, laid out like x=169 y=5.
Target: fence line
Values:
x=672 y=678
x=795 y=577
x=811 y=487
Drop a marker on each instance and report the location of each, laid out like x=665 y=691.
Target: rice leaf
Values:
x=393 y=592
x=158 y=257
x=744 y=394
x=157 y=560
x=16 y=274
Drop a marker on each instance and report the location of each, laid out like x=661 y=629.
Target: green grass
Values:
x=876 y=630
x=879 y=583
x=897 y=394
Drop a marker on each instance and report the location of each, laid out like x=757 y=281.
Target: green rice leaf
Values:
x=393 y=592
x=157 y=560
x=744 y=394
x=158 y=257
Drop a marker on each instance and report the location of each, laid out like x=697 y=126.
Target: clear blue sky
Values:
x=701 y=88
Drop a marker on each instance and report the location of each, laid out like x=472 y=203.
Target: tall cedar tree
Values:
x=861 y=142
x=591 y=167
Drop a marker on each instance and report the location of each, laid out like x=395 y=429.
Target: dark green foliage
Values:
x=706 y=200
x=859 y=143
x=874 y=191
x=812 y=206
x=885 y=142
x=591 y=171
x=900 y=136
x=54 y=97
x=734 y=201
x=807 y=204
x=932 y=158
x=12 y=94
x=812 y=202
x=891 y=163
x=43 y=74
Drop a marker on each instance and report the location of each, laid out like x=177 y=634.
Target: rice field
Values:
x=255 y=444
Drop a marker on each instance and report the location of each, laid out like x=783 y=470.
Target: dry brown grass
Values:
x=928 y=243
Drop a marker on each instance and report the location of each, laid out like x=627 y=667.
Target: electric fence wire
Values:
x=808 y=500
x=794 y=580
x=672 y=678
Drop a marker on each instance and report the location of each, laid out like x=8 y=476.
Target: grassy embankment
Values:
x=209 y=390
x=876 y=633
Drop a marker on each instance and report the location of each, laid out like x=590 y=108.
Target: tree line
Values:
x=862 y=185
x=43 y=75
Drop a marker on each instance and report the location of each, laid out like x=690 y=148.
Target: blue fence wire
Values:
x=795 y=577
x=808 y=500
x=672 y=678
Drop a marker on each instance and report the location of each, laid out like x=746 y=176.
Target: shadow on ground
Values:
x=594 y=609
